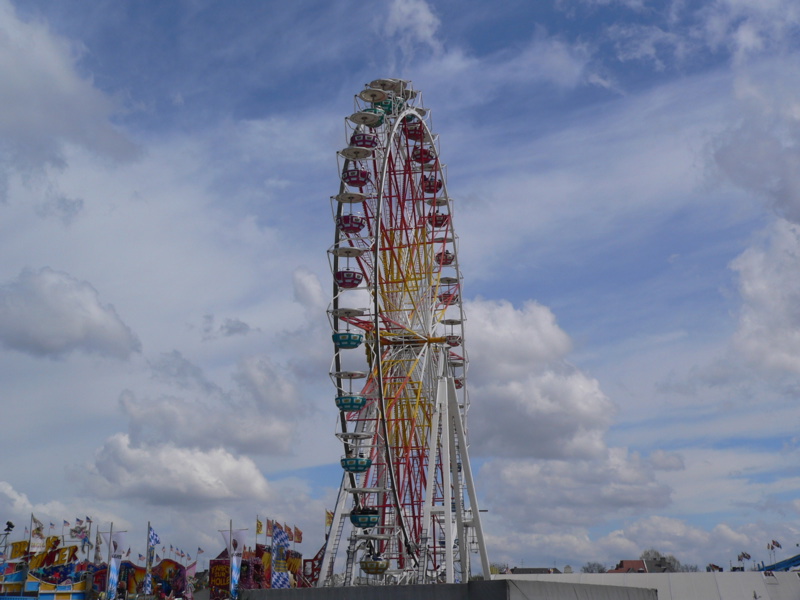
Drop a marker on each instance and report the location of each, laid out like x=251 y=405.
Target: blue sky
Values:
x=627 y=205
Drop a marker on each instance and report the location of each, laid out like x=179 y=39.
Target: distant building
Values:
x=660 y=565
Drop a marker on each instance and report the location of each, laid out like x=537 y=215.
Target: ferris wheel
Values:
x=406 y=510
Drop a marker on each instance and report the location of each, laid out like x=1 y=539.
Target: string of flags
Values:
x=270 y=526
x=773 y=544
x=82 y=530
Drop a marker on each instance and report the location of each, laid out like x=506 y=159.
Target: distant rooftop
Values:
x=642 y=566
x=534 y=570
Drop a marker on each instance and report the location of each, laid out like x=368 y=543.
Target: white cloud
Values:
x=545 y=496
x=13 y=501
x=543 y=423
x=206 y=425
x=479 y=80
x=260 y=416
x=46 y=103
x=229 y=327
x=308 y=291
x=410 y=26
x=761 y=154
x=527 y=400
x=769 y=285
x=747 y=29
x=49 y=313
x=507 y=342
x=551 y=415
x=646 y=43
x=164 y=474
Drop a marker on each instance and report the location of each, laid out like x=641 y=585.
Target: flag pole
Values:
x=110 y=533
x=230 y=555
x=148 y=563
x=90 y=539
x=30 y=534
x=108 y=563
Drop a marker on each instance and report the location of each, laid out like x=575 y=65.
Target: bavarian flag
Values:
x=280 y=547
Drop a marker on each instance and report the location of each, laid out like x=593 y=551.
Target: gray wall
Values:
x=475 y=590
x=734 y=585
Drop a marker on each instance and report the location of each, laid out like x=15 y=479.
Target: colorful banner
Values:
x=219 y=576
x=55 y=557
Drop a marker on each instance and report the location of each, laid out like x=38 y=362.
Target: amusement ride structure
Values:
x=407 y=511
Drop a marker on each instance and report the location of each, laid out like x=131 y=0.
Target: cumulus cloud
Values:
x=12 y=501
x=768 y=334
x=50 y=313
x=258 y=416
x=762 y=153
x=511 y=342
x=46 y=103
x=528 y=401
x=689 y=543
x=543 y=423
x=165 y=474
x=549 y=415
x=543 y=496
x=270 y=391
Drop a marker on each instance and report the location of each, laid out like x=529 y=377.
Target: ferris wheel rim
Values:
x=378 y=314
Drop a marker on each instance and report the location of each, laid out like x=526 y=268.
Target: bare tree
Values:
x=593 y=567
x=672 y=563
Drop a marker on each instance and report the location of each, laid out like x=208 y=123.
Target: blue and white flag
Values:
x=235 y=541
x=152 y=538
x=280 y=571
x=116 y=542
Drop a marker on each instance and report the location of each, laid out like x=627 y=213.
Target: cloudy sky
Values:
x=627 y=176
